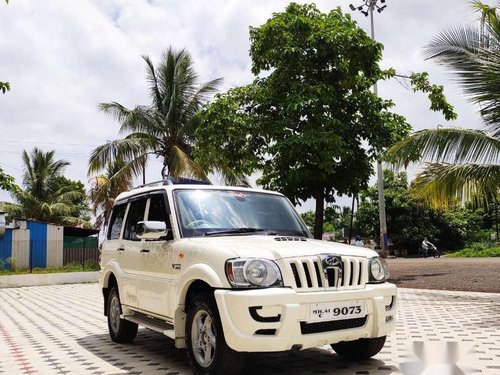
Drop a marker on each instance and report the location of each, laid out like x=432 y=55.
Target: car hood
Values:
x=278 y=247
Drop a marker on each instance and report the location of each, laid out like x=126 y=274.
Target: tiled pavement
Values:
x=61 y=330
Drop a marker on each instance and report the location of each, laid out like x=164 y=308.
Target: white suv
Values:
x=226 y=270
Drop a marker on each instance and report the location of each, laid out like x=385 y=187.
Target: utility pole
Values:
x=367 y=8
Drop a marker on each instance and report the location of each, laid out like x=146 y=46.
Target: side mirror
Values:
x=152 y=230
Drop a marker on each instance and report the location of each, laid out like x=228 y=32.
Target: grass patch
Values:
x=478 y=250
x=67 y=268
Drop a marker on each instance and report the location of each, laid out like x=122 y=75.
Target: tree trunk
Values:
x=318 y=219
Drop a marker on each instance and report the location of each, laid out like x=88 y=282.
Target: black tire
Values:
x=436 y=253
x=360 y=349
x=224 y=360
x=120 y=330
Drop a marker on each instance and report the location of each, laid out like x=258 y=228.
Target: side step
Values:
x=153 y=324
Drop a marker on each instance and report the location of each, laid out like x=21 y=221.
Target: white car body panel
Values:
x=156 y=283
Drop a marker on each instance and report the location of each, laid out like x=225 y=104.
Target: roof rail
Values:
x=174 y=181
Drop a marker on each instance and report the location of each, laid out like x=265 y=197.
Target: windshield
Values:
x=231 y=212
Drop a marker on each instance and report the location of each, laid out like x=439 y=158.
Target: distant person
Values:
x=358 y=241
x=427 y=245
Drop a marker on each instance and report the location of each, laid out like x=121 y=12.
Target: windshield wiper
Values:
x=236 y=231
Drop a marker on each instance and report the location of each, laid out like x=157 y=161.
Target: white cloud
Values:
x=64 y=57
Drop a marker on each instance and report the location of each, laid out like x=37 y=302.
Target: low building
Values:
x=33 y=244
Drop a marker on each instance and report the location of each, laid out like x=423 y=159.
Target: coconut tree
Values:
x=44 y=198
x=163 y=129
x=106 y=187
x=462 y=164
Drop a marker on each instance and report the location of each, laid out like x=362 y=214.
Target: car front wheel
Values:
x=359 y=349
x=208 y=352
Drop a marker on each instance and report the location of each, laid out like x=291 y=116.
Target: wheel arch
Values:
x=198 y=279
x=109 y=281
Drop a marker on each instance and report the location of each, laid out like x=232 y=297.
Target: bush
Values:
x=478 y=250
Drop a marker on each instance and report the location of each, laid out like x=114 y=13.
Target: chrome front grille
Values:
x=312 y=273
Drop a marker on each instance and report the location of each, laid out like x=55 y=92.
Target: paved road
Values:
x=469 y=274
x=60 y=329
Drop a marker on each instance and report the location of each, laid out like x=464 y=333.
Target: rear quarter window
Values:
x=116 y=222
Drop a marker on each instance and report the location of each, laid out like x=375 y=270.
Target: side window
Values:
x=158 y=210
x=115 y=224
x=135 y=214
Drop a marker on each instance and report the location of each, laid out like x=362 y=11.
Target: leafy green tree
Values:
x=6 y=182
x=308 y=218
x=165 y=128
x=47 y=196
x=4 y=87
x=335 y=219
x=309 y=122
x=463 y=164
x=410 y=219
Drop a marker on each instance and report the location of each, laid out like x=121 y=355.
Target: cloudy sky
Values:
x=64 y=57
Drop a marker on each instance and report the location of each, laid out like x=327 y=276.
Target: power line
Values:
x=58 y=153
x=48 y=143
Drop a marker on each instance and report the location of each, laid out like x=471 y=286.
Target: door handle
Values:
x=120 y=249
x=144 y=251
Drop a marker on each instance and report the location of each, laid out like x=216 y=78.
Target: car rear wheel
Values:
x=359 y=349
x=120 y=330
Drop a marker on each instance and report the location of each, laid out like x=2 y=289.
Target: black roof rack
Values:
x=174 y=181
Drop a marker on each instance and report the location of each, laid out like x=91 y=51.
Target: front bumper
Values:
x=267 y=333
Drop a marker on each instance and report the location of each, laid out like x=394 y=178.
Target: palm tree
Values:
x=165 y=128
x=43 y=198
x=105 y=188
x=462 y=164
x=40 y=170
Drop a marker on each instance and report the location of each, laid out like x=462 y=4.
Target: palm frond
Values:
x=452 y=145
x=227 y=177
x=181 y=165
x=450 y=184
x=489 y=19
x=472 y=55
x=126 y=149
x=200 y=97
x=154 y=88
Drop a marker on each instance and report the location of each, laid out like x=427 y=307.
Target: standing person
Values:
x=359 y=242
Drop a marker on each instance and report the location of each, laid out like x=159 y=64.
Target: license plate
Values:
x=337 y=310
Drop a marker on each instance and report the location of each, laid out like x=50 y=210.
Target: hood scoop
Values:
x=296 y=239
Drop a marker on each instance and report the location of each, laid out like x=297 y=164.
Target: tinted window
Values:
x=158 y=209
x=135 y=214
x=115 y=224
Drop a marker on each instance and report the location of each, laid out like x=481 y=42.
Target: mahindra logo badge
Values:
x=333 y=261
x=333 y=264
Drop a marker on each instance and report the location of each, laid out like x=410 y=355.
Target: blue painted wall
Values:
x=5 y=249
x=38 y=243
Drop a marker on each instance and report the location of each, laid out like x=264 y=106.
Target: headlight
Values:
x=379 y=271
x=247 y=273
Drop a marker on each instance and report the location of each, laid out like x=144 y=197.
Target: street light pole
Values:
x=371 y=5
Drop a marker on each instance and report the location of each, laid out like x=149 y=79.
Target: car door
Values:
x=113 y=250
x=131 y=250
x=155 y=284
